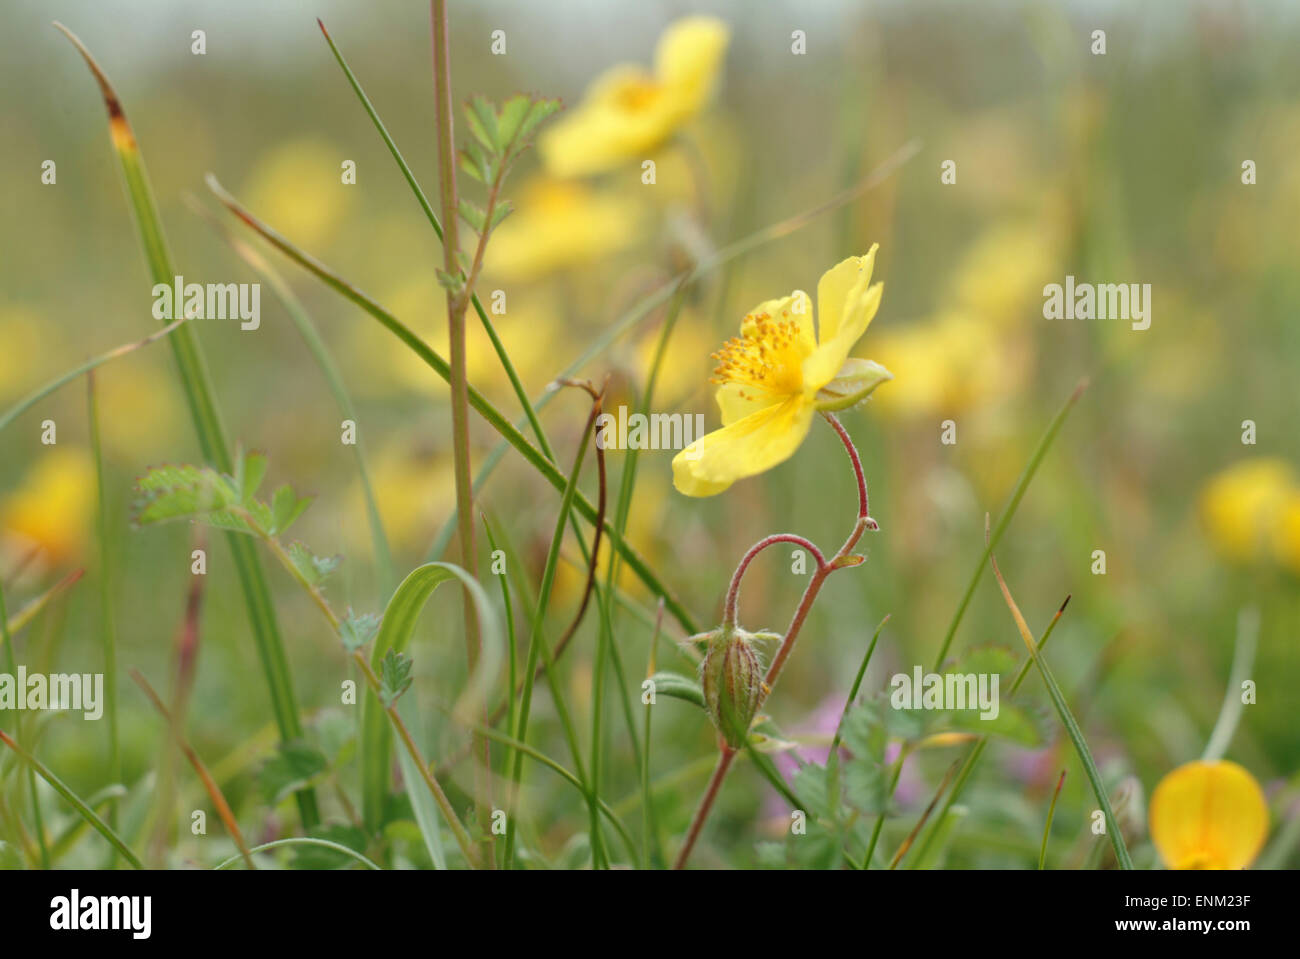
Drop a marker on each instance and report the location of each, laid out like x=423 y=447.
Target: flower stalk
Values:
x=844 y=558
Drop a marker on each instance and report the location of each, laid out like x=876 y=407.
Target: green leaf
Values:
x=395 y=631
x=394 y=676
x=540 y=111
x=454 y=283
x=356 y=630
x=472 y=214
x=252 y=470
x=678 y=687
x=286 y=507
x=472 y=167
x=483 y=122
x=293 y=767
x=1015 y=723
x=183 y=492
x=313 y=568
x=502 y=210
x=513 y=112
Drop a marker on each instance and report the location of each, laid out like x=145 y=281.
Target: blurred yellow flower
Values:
x=629 y=110
x=559 y=224
x=1242 y=508
x=948 y=364
x=297 y=189
x=779 y=372
x=416 y=490
x=53 y=506
x=1000 y=278
x=1208 y=814
x=1287 y=540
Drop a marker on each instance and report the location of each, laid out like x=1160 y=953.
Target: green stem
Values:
x=107 y=630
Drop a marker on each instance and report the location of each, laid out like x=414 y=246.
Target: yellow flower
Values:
x=779 y=372
x=296 y=188
x=628 y=110
x=559 y=224
x=1287 y=540
x=1242 y=505
x=52 y=509
x=1208 y=814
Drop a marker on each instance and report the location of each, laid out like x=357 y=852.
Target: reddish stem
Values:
x=824 y=569
x=733 y=591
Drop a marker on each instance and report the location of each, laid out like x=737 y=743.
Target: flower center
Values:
x=636 y=96
x=765 y=358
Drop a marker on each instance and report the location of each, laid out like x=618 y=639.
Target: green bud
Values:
x=856 y=381
x=732 y=679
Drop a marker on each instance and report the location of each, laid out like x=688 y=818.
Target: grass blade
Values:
x=490 y=413
x=333 y=378
x=304 y=841
x=1070 y=724
x=31 y=399
x=1004 y=520
x=536 y=641
x=1047 y=829
x=219 y=803
x=398 y=625
x=497 y=345
x=207 y=420
x=108 y=631
x=73 y=800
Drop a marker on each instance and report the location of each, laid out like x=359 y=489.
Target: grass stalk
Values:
x=207 y=421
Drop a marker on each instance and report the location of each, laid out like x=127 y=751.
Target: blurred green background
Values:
x=1122 y=168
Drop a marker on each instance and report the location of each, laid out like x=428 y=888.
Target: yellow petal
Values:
x=841 y=286
x=746 y=447
x=688 y=58
x=1208 y=815
x=624 y=114
x=824 y=364
x=736 y=402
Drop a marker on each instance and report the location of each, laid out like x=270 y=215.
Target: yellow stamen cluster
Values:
x=765 y=357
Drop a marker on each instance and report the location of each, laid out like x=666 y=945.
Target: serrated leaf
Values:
x=472 y=214
x=1015 y=723
x=866 y=786
x=988 y=659
x=182 y=492
x=470 y=167
x=293 y=766
x=252 y=470
x=678 y=687
x=313 y=568
x=513 y=112
x=448 y=282
x=483 y=122
x=357 y=628
x=394 y=676
x=810 y=784
x=540 y=111
x=286 y=507
x=499 y=213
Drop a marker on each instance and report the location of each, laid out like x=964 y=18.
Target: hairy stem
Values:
x=841 y=560
x=457 y=303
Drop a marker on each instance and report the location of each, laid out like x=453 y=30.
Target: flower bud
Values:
x=732 y=679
